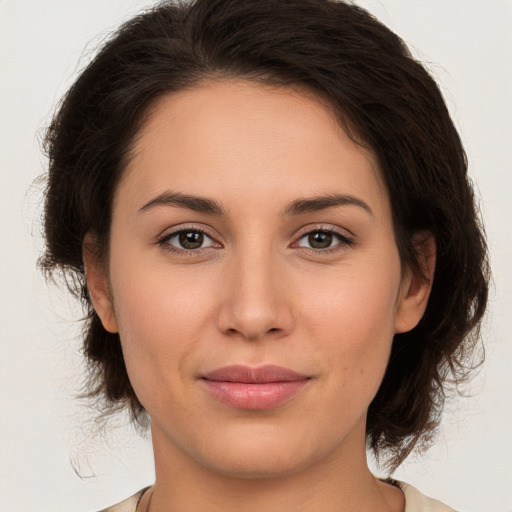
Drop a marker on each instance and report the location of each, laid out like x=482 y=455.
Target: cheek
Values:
x=162 y=320
x=153 y=301
x=358 y=306
x=351 y=318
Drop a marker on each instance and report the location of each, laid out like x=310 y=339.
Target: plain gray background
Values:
x=45 y=434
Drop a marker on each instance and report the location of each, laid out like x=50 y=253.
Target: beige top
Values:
x=415 y=501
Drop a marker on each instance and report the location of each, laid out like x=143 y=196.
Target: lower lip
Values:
x=256 y=396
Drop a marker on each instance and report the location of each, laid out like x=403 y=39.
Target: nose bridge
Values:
x=254 y=304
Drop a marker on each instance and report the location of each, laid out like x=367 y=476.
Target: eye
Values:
x=188 y=240
x=323 y=239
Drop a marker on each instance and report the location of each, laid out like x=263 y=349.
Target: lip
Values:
x=258 y=388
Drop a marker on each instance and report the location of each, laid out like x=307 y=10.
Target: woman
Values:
x=265 y=207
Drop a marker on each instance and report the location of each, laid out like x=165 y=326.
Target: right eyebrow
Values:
x=195 y=203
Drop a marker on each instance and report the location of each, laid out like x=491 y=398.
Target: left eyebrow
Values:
x=314 y=204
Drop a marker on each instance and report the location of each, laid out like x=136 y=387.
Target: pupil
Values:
x=320 y=240
x=191 y=239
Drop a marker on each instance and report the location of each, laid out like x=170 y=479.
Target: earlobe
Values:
x=97 y=284
x=417 y=284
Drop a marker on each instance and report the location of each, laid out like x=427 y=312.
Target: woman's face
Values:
x=250 y=232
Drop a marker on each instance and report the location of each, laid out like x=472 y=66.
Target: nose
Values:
x=255 y=299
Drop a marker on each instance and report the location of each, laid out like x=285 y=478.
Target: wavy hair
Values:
x=380 y=94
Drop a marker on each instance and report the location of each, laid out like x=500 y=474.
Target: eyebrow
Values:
x=212 y=207
x=195 y=203
x=313 y=204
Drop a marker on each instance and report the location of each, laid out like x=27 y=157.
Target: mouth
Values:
x=249 y=388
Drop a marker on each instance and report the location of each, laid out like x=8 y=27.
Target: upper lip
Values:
x=247 y=375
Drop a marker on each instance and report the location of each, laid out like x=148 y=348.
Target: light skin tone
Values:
x=248 y=228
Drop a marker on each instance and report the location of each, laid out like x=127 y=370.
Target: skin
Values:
x=257 y=292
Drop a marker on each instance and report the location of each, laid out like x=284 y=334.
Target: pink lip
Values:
x=259 y=388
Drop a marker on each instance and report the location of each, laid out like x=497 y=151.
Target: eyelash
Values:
x=344 y=241
x=164 y=241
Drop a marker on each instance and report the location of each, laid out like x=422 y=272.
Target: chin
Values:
x=263 y=466
x=261 y=457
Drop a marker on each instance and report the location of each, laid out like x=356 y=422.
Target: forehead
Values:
x=242 y=140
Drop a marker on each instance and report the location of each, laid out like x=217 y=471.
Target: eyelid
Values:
x=345 y=237
x=169 y=233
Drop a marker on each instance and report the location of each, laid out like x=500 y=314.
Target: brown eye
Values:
x=323 y=239
x=320 y=240
x=187 y=240
x=191 y=239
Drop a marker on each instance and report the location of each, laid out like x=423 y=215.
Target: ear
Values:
x=97 y=283
x=416 y=284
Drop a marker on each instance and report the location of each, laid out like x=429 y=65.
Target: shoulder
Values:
x=415 y=501
x=128 y=505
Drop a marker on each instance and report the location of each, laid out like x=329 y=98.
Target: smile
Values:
x=260 y=388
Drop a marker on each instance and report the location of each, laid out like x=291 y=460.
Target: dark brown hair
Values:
x=387 y=102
